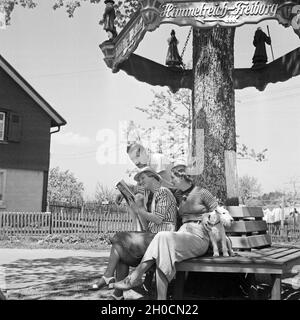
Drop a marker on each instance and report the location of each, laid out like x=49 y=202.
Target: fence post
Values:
x=282 y=218
x=50 y=223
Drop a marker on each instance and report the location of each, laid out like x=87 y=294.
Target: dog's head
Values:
x=214 y=217
x=220 y=215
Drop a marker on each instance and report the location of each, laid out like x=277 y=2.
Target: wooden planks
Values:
x=249 y=242
x=236 y=266
x=245 y=212
x=247 y=226
x=283 y=254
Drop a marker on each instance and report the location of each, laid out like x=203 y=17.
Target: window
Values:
x=2 y=186
x=10 y=126
x=2 y=126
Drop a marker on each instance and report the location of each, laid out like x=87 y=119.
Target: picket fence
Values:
x=104 y=220
x=284 y=233
x=83 y=223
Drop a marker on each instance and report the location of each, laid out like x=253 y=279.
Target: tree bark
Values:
x=213 y=118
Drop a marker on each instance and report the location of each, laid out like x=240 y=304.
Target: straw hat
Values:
x=179 y=166
x=147 y=169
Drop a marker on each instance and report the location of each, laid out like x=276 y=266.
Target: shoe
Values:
x=114 y=297
x=126 y=284
x=107 y=282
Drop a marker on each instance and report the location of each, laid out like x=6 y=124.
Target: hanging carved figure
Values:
x=173 y=58
x=260 y=55
x=108 y=20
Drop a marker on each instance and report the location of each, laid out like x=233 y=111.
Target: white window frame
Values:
x=3 y=172
x=2 y=123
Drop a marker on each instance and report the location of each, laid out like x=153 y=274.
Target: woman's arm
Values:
x=149 y=216
x=199 y=201
x=163 y=202
x=209 y=200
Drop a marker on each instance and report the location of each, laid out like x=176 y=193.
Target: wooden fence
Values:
x=83 y=223
x=284 y=233
x=104 y=220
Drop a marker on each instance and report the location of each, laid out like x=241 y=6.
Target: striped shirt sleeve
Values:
x=163 y=202
x=165 y=208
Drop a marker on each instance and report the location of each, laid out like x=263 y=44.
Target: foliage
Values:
x=64 y=187
x=174 y=112
x=9 y=6
x=273 y=196
x=103 y=194
x=124 y=9
x=243 y=152
x=248 y=188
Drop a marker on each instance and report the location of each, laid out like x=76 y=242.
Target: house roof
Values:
x=56 y=119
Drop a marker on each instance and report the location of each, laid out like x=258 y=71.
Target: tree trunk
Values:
x=213 y=121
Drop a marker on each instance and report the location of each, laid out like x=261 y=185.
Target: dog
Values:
x=218 y=220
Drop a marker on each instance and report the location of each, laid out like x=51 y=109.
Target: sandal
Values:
x=126 y=284
x=107 y=282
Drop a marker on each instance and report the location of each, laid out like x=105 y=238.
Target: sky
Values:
x=61 y=59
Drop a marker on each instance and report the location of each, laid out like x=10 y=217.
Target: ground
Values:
x=54 y=274
x=66 y=274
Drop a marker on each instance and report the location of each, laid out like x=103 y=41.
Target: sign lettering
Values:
x=211 y=13
x=130 y=40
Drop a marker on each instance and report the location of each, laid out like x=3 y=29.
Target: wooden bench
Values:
x=254 y=253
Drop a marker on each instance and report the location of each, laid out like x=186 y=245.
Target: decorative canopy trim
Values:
x=156 y=74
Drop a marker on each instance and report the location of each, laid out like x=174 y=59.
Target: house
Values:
x=26 y=121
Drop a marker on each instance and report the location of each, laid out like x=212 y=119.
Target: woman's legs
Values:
x=161 y=285
x=122 y=271
x=139 y=271
x=135 y=277
x=113 y=262
x=165 y=250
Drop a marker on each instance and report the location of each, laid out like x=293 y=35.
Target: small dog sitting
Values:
x=218 y=220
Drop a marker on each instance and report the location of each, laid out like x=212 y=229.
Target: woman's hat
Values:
x=178 y=166
x=111 y=1
x=147 y=169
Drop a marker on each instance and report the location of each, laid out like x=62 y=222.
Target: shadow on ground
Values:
x=57 y=279
x=70 y=278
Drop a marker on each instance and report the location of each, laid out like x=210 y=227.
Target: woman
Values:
x=128 y=248
x=191 y=240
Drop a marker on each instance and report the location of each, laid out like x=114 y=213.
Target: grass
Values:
x=56 y=242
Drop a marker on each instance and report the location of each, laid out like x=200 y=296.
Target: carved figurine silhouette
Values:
x=108 y=20
x=260 y=55
x=173 y=58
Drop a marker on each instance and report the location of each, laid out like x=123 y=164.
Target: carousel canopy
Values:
x=119 y=50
